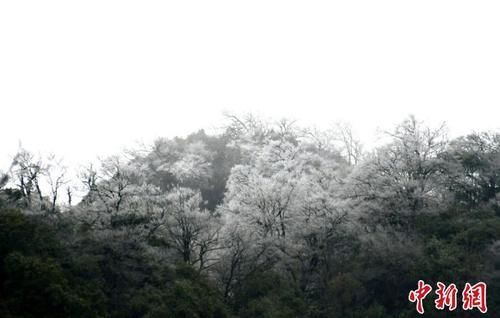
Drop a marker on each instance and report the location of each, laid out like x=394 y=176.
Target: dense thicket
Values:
x=262 y=220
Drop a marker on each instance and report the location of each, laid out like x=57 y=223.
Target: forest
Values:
x=262 y=219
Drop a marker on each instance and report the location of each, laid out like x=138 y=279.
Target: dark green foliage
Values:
x=33 y=283
x=181 y=292
x=268 y=295
x=40 y=277
x=37 y=287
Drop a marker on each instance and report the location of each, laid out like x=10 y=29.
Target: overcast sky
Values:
x=87 y=78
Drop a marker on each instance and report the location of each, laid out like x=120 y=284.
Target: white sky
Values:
x=87 y=78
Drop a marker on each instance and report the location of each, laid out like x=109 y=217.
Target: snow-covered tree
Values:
x=27 y=170
x=190 y=230
x=286 y=199
x=473 y=168
x=402 y=178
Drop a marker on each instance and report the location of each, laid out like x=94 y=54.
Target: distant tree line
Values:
x=265 y=219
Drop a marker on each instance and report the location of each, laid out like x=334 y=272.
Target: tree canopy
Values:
x=265 y=219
